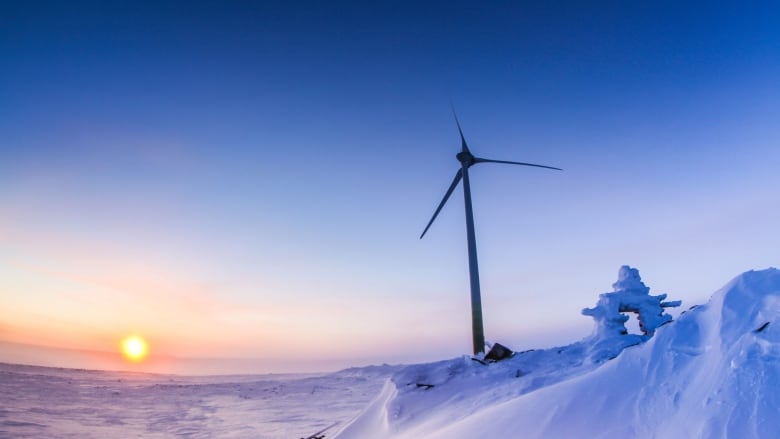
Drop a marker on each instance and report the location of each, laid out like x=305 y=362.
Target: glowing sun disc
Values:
x=134 y=348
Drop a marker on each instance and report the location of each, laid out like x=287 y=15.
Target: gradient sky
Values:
x=249 y=180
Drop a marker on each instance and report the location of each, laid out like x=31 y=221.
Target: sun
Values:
x=134 y=348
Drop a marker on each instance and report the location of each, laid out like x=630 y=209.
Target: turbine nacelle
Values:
x=466 y=158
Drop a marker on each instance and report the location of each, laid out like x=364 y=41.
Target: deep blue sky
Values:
x=265 y=168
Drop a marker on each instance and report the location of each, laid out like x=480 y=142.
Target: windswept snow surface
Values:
x=712 y=373
x=43 y=402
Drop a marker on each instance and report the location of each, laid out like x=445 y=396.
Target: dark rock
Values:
x=499 y=352
x=762 y=327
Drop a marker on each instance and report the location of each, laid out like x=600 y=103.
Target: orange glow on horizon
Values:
x=134 y=348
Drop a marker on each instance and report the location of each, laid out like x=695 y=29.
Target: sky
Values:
x=244 y=183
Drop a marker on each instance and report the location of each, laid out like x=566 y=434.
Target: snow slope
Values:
x=712 y=373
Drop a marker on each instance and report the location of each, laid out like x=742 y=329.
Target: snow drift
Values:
x=712 y=373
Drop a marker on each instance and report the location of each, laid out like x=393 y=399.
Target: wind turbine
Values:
x=467 y=160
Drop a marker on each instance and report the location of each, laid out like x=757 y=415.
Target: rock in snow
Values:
x=712 y=373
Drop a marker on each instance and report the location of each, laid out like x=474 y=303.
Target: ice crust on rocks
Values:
x=629 y=295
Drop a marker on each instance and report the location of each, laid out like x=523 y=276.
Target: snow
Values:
x=37 y=402
x=714 y=372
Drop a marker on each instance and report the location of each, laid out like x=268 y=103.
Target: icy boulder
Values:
x=629 y=295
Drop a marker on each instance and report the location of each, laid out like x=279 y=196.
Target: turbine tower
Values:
x=468 y=160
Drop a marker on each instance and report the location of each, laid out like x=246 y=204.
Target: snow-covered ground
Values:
x=714 y=372
x=41 y=402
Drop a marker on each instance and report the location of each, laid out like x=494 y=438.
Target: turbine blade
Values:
x=481 y=160
x=454 y=184
x=463 y=146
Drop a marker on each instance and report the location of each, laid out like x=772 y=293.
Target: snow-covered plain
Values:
x=714 y=372
x=42 y=402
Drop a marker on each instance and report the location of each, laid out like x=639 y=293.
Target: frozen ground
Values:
x=40 y=402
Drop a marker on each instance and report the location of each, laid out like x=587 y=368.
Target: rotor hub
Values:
x=465 y=157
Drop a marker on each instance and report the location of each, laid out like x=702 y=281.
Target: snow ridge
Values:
x=712 y=373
